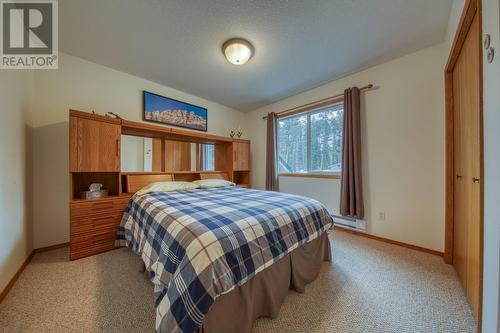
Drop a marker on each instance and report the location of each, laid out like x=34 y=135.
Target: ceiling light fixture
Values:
x=237 y=51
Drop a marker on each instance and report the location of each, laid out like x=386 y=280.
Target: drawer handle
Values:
x=102 y=242
x=103 y=205
x=107 y=237
x=105 y=219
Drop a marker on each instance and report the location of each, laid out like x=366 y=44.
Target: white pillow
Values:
x=213 y=183
x=167 y=187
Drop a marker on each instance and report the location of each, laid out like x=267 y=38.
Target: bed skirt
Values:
x=263 y=295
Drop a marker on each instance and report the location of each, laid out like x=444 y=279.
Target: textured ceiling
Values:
x=298 y=44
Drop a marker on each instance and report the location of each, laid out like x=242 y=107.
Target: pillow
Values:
x=213 y=183
x=167 y=187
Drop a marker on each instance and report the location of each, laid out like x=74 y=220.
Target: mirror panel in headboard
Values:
x=140 y=154
x=145 y=154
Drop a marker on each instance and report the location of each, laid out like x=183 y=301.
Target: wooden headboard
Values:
x=138 y=181
x=214 y=175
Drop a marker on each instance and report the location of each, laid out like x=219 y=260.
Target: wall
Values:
x=325 y=190
x=16 y=232
x=455 y=15
x=491 y=113
x=403 y=153
x=86 y=86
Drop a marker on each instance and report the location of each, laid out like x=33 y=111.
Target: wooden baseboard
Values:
x=50 y=248
x=16 y=276
x=390 y=241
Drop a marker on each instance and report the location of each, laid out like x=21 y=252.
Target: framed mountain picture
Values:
x=169 y=111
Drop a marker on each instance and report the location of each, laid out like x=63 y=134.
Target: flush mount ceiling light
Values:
x=237 y=51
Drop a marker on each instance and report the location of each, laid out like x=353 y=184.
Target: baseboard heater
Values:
x=349 y=223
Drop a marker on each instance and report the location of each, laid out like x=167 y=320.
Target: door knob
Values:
x=475 y=180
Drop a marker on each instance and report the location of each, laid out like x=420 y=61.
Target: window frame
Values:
x=308 y=113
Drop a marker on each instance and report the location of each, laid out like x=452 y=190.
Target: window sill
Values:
x=311 y=175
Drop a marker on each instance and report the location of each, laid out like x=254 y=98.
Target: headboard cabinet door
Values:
x=241 y=156
x=96 y=145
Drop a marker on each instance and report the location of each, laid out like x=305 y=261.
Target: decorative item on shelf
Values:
x=232 y=133
x=114 y=115
x=239 y=133
x=168 y=111
x=94 y=192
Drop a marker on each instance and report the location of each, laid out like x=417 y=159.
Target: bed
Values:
x=221 y=257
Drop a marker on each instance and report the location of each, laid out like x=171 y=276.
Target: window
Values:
x=311 y=142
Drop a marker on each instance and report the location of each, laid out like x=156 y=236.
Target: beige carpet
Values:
x=370 y=287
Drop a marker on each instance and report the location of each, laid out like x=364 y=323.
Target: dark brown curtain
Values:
x=351 y=193
x=271 y=175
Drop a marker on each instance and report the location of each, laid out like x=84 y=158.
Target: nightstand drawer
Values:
x=95 y=224
x=95 y=239
x=91 y=244
x=108 y=206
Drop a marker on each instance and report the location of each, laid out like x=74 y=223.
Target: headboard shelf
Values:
x=147 y=130
x=134 y=181
x=171 y=172
x=81 y=181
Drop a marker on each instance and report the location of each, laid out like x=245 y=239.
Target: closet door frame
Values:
x=471 y=8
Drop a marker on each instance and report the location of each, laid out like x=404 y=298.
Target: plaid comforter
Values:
x=200 y=244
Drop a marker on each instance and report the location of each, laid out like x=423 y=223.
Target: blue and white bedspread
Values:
x=200 y=244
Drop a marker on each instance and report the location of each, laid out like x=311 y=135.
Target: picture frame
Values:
x=169 y=111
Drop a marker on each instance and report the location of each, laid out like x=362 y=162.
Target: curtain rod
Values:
x=324 y=100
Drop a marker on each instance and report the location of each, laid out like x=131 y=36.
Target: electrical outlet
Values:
x=381 y=216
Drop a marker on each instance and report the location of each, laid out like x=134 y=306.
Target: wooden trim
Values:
x=310 y=175
x=390 y=241
x=449 y=169
x=50 y=248
x=198 y=157
x=481 y=170
x=16 y=276
x=241 y=140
